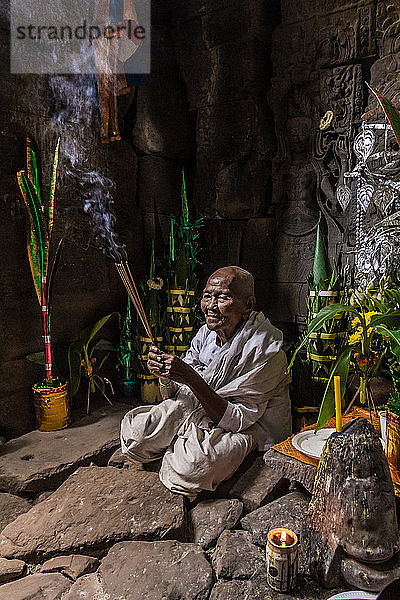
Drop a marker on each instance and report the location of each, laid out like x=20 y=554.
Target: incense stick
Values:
x=134 y=296
x=130 y=286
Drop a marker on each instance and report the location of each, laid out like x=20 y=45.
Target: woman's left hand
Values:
x=169 y=366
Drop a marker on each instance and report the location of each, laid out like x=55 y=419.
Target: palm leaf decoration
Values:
x=37 y=235
x=322 y=272
x=184 y=245
x=41 y=216
x=390 y=111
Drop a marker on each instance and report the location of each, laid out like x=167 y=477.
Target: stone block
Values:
x=144 y=570
x=11 y=507
x=87 y=586
x=235 y=199
x=291 y=469
x=40 y=460
x=163 y=94
x=258 y=247
x=236 y=557
x=222 y=239
x=72 y=566
x=46 y=586
x=93 y=509
x=155 y=174
x=11 y=569
x=211 y=517
x=258 y=485
x=288 y=511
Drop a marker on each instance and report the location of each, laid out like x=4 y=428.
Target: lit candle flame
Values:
x=283 y=539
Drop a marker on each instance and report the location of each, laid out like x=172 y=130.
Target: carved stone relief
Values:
x=329 y=52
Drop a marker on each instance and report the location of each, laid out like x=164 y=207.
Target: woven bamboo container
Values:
x=149 y=390
x=180 y=314
x=324 y=344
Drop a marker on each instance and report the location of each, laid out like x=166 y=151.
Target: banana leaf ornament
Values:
x=41 y=217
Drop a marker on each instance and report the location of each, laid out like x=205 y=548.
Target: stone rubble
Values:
x=39 y=586
x=93 y=509
x=11 y=569
x=152 y=570
x=258 y=485
x=115 y=532
x=11 y=507
x=72 y=566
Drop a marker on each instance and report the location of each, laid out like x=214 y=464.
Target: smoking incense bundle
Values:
x=130 y=286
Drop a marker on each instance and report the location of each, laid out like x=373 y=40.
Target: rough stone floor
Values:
x=79 y=522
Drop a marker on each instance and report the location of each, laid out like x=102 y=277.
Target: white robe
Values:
x=250 y=372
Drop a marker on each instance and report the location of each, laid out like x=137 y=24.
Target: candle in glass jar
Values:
x=282 y=559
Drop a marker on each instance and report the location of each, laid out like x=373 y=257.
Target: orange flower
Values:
x=373 y=358
x=361 y=359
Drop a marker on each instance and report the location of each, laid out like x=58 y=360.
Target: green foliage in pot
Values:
x=82 y=360
x=393 y=404
x=375 y=335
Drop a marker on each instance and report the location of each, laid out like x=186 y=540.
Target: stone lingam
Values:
x=353 y=533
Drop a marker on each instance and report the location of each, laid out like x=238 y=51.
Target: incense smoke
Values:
x=77 y=112
x=98 y=203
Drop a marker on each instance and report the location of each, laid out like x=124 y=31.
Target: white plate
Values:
x=311 y=443
x=356 y=594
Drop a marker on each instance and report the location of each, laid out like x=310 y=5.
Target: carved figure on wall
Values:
x=306 y=188
x=337 y=43
x=301 y=214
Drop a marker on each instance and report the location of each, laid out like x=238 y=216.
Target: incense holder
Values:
x=51 y=407
x=128 y=391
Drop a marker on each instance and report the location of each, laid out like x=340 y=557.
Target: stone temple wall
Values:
x=236 y=93
x=322 y=54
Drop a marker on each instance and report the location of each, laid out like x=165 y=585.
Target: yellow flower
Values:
x=355 y=337
x=355 y=322
x=367 y=316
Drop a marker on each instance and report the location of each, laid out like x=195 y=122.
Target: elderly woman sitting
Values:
x=227 y=397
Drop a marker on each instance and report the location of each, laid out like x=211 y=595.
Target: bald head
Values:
x=228 y=300
x=240 y=281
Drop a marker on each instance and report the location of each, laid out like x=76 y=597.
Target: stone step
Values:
x=93 y=509
x=41 y=460
x=148 y=571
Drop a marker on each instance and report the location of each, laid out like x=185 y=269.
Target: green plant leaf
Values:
x=74 y=365
x=105 y=345
x=36 y=357
x=390 y=111
x=102 y=362
x=394 y=337
x=325 y=314
x=340 y=368
x=97 y=326
x=391 y=320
